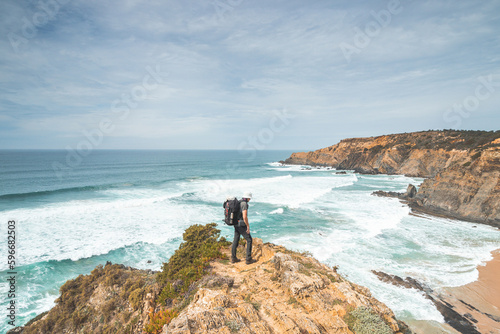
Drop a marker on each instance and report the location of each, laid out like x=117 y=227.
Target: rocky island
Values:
x=462 y=168
x=200 y=291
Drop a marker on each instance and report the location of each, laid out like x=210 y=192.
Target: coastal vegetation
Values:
x=433 y=139
x=363 y=320
x=102 y=302
x=202 y=244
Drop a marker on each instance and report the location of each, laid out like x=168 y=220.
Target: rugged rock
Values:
x=283 y=292
x=410 y=193
x=462 y=168
x=112 y=299
x=465 y=192
x=463 y=323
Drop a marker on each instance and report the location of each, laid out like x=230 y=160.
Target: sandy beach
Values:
x=480 y=299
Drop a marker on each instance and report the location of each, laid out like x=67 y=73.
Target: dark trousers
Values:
x=241 y=230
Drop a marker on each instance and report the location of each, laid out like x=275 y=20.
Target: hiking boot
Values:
x=234 y=260
x=250 y=261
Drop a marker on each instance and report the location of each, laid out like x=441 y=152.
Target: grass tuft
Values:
x=364 y=320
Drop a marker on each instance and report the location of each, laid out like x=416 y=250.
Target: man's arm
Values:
x=245 y=219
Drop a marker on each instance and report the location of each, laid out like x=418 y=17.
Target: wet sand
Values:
x=481 y=298
x=478 y=301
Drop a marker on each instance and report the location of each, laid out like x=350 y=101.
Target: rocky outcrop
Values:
x=410 y=193
x=465 y=192
x=445 y=304
x=462 y=168
x=112 y=299
x=283 y=292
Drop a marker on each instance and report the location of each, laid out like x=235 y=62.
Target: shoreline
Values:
x=481 y=298
x=478 y=302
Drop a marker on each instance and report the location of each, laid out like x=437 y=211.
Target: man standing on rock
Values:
x=243 y=228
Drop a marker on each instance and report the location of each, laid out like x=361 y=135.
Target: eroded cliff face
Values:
x=465 y=192
x=283 y=292
x=462 y=168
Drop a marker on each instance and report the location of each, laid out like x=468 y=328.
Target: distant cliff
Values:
x=462 y=167
x=200 y=291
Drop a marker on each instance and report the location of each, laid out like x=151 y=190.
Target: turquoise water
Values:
x=132 y=207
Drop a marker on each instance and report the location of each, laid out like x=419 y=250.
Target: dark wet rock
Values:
x=411 y=191
x=464 y=323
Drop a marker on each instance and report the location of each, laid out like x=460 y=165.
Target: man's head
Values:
x=247 y=196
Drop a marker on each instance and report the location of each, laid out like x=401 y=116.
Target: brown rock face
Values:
x=283 y=292
x=462 y=166
x=470 y=193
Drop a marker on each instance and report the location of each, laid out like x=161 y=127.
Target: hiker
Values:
x=243 y=228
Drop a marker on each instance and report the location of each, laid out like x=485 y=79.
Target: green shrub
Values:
x=135 y=298
x=158 y=320
x=190 y=262
x=364 y=320
x=234 y=326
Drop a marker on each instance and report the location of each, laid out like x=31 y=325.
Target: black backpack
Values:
x=232 y=211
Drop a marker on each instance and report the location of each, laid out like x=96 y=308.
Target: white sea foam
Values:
x=276 y=166
x=284 y=190
x=81 y=229
x=278 y=211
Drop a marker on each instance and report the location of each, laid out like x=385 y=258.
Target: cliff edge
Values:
x=200 y=291
x=462 y=168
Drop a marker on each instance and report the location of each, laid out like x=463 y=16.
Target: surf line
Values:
x=11 y=273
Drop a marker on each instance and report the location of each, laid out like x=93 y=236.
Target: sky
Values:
x=241 y=74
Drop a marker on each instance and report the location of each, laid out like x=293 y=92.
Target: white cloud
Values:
x=229 y=71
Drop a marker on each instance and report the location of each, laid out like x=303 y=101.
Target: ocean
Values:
x=132 y=206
